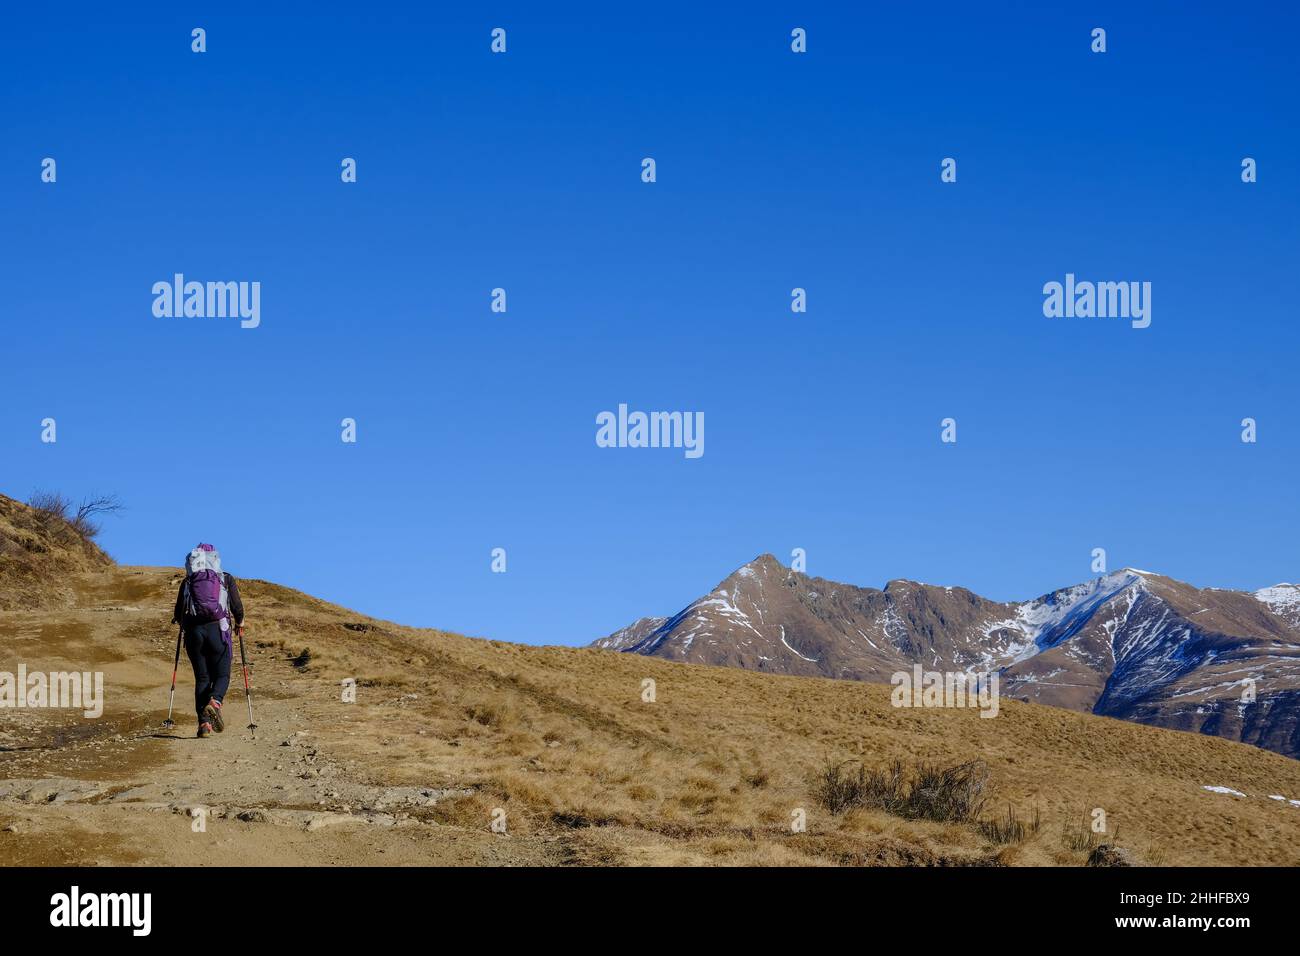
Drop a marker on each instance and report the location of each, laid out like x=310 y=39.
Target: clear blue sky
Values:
x=775 y=170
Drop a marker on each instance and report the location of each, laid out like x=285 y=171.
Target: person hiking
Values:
x=205 y=604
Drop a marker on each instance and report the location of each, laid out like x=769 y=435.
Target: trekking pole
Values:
x=248 y=696
x=171 y=698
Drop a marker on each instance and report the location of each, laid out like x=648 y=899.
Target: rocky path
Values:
x=124 y=789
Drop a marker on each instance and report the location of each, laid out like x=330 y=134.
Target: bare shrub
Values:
x=50 y=506
x=85 y=521
x=487 y=714
x=886 y=789
x=56 y=513
x=955 y=793
x=839 y=790
x=1010 y=828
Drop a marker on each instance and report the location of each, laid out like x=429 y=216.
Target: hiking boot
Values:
x=205 y=729
x=213 y=713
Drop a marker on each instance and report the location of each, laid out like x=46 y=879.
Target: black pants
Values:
x=210 y=657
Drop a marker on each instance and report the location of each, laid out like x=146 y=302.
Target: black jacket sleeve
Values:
x=233 y=599
x=178 y=614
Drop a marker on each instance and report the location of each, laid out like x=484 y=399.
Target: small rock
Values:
x=1110 y=854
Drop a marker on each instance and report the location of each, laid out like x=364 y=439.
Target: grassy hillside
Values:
x=38 y=549
x=448 y=730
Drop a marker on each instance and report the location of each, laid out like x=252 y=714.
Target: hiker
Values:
x=207 y=600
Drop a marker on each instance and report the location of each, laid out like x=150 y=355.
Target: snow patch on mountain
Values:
x=1059 y=615
x=1283 y=600
x=1045 y=622
x=812 y=660
x=1226 y=790
x=892 y=626
x=627 y=636
x=867 y=639
x=729 y=611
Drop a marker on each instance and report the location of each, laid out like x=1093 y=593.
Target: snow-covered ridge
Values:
x=1281 y=598
x=627 y=636
x=1051 y=610
x=719 y=609
x=1045 y=621
x=1140 y=632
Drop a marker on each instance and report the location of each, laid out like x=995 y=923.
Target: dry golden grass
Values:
x=37 y=553
x=714 y=768
x=712 y=772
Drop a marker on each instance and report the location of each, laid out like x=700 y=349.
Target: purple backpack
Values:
x=205 y=586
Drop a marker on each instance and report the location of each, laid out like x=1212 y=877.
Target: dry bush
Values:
x=948 y=793
x=57 y=513
x=1010 y=828
x=50 y=506
x=839 y=790
x=486 y=714
x=954 y=793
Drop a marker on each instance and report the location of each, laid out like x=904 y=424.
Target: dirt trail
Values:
x=124 y=789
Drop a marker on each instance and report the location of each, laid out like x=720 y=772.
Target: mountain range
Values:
x=1130 y=644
